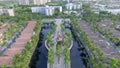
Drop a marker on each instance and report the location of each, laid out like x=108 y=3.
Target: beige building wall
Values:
x=41 y=2
x=11 y=12
x=38 y=2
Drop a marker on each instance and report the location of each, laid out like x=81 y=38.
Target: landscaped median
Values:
x=22 y=49
x=59 y=43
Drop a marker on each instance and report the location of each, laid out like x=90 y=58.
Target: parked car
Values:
x=118 y=27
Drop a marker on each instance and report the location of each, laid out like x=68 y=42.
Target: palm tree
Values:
x=3 y=66
x=67 y=57
x=51 y=57
x=113 y=63
x=59 y=52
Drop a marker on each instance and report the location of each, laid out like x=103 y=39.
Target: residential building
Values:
x=24 y=2
x=11 y=0
x=10 y=12
x=41 y=2
x=113 y=4
x=47 y=10
x=69 y=6
x=113 y=11
x=100 y=6
x=43 y=10
x=59 y=8
x=73 y=6
x=69 y=1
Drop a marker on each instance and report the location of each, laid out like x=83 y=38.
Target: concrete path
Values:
x=56 y=63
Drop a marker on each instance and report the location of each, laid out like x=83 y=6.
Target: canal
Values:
x=78 y=54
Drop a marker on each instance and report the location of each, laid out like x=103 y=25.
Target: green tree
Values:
x=67 y=57
x=59 y=51
x=51 y=57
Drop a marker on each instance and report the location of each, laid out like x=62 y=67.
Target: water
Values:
x=39 y=58
x=42 y=61
x=41 y=51
x=78 y=52
x=76 y=60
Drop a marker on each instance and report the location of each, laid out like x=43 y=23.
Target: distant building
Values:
x=59 y=8
x=11 y=0
x=69 y=1
x=73 y=6
x=24 y=2
x=41 y=2
x=113 y=11
x=47 y=10
x=113 y=3
x=85 y=0
x=10 y=12
x=100 y=6
x=69 y=6
x=43 y=10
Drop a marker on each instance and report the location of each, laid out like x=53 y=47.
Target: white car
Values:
x=118 y=27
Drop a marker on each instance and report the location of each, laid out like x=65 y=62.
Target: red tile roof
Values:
x=108 y=51
x=13 y=51
x=2 y=30
x=19 y=45
x=6 y=60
